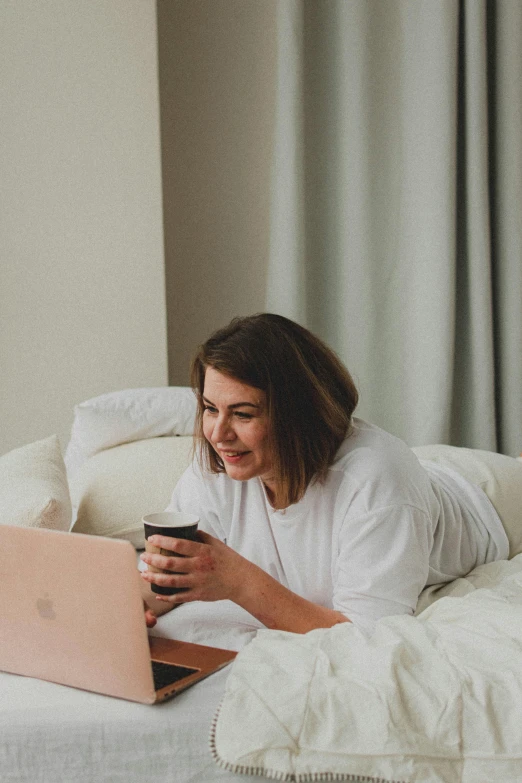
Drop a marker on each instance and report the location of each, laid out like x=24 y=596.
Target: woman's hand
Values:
x=208 y=569
x=211 y=571
x=150 y=617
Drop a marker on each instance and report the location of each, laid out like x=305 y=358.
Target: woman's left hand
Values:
x=209 y=570
x=150 y=617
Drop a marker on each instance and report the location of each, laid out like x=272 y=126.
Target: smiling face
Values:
x=235 y=423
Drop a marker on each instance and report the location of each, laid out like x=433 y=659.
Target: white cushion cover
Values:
x=33 y=486
x=115 y=488
x=128 y=415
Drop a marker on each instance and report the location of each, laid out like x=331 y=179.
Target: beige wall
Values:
x=82 y=296
x=216 y=64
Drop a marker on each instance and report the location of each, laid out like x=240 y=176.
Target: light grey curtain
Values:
x=396 y=213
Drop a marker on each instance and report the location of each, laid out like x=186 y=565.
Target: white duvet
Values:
x=427 y=699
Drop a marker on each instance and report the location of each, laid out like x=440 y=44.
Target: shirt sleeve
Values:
x=191 y=495
x=382 y=566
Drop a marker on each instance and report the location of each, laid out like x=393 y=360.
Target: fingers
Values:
x=180 y=546
x=160 y=563
x=177 y=598
x=168 y=580
x=186 y=555
x=200 y=568
x=150 y=617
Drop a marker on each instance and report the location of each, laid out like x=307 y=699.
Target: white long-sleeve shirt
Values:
x=367 y=539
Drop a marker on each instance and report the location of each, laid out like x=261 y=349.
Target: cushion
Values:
x=115 y=488
x=125 y=416
x=498 y=475
x=33 y=487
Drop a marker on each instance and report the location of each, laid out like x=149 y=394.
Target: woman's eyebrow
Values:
x=234 y=405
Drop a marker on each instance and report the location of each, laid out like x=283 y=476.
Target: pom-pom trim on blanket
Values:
x=286 y=777
x=437 y=696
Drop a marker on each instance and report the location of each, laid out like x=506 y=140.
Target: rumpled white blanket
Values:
x=428 y=699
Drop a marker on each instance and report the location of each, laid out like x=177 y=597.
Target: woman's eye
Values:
x=238 y=414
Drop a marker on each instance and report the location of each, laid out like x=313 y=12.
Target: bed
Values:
x=435 y=697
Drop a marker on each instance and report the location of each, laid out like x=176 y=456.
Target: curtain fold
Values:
x=396 y=205
x=286 y=275
x=473 y=403
x=505 y=23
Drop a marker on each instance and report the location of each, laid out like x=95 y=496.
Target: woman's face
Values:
x=235 y=422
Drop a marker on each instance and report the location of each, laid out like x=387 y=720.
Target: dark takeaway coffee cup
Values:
x=175 y=524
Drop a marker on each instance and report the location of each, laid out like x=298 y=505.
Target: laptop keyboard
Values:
x=167 y=673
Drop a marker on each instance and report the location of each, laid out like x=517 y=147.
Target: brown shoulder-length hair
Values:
x=310 y=395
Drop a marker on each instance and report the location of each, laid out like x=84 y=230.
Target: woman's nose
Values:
x=222 y=430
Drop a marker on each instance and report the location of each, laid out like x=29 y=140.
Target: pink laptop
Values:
x=72 y=613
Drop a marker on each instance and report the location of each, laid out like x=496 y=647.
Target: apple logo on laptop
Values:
x=45 y=608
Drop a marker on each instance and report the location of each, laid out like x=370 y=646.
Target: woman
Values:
x=310 y=517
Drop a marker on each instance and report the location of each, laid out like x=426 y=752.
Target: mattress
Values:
x=52 y=733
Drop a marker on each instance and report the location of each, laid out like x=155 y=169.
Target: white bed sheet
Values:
x=54 y=734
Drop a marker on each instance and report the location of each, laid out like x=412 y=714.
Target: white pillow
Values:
x=33 y=487
x=128 y=415
x=217 y=623
x=498 y=475
x=114 y=489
